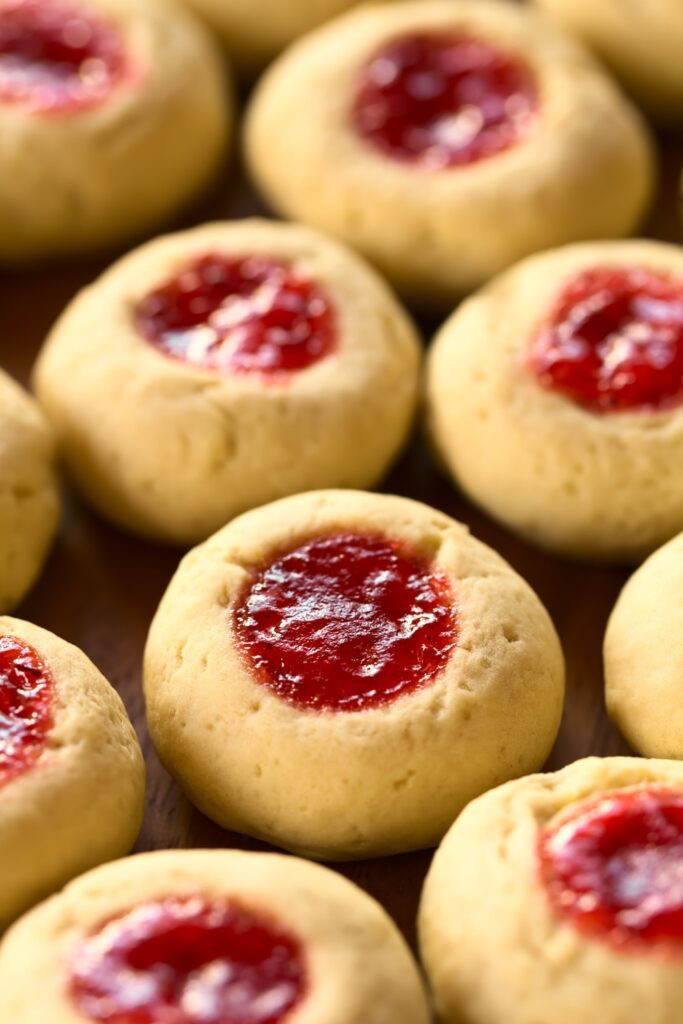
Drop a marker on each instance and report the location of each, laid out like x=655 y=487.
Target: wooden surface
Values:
x=100 y=587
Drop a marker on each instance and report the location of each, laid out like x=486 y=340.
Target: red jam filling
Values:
x=614 y=341
x=240 y=315
x=614 y=866
x=346 y=622
x=444 y=100
x=26 y=699
x=188 y=961
x=57 y=55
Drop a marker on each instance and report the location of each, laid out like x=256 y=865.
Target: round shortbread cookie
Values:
x=71 y=771
x=210 y=937
x=219 y=369
x=641 y=42
x=29 y=492
x=554 y=398
x=447 y=140
x=644 y=657
x=113 y=114
x=558 y=896
x=338 y=673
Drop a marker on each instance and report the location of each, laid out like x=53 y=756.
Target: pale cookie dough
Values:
x=640 y=40
x=254 y=31
x=173 y=450
x=644 y=655
x=81 y=802
x=356 y=967
x=496 y=950
x=582 y=170
x=29 y=492
x=77 y=180
x=370 y=779
x=589 y=485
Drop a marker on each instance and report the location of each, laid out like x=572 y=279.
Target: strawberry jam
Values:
x=614 y=866
x=346 y=622
x=614 y=341
x=240 y=315
x=57 y=55
x=26 y=700
x=444 y=100
x=188 y=961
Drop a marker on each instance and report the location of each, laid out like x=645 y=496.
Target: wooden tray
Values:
x=101 y=587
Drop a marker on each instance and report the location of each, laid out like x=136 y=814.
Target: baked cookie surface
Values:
x=643 y=658
x=254 y=32
x=338 y=673
x=210 y=937
x=554 y=398
x=113 y=114
x=218 y=369
x=386 y=148
x=29 y=492
x=71 y=771
x=642 y=45
x=559 y=895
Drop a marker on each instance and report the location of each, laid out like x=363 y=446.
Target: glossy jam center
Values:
x=614 y=341
x=444 y=100
x=57 y=55
x=614 y=866
x=188 y=961
x=26 y=699
x=346 y=622
x=240 y=315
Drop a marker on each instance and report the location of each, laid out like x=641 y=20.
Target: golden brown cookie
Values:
x=338 y=673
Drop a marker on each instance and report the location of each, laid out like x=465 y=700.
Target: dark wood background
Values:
x=101 y=587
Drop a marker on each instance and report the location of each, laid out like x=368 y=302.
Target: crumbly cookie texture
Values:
x=586 y=485
x=641 y=44
x=29 y=492
x=643 y=656
x=493 y=948
x=359 y=968
x=82 y=802
x=84 y=180
x=254 y=33
x=173 y=450
x=584 y=171
x=349 y=785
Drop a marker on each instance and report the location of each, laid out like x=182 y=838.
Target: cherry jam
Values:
x=240 y=315
x=614 y=341
x=443 y=101
x=58 y=56
x=614 y=867
x=346 y=622
x=188 y=961
x=26 y=707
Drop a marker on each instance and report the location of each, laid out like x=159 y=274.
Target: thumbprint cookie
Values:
x=447 y=139
x=222 y=368
x=556 y=398
x=71 y=771
x=338 y=673
x=113 y=115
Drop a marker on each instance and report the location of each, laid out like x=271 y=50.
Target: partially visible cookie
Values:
x=338 y=673
x=445 y=140
x=218 y=369
x=210 y=937
x=644 y=655
x=641 y=43
x=29 y=492
x=555 y=398
x=558 y=896
x=114 y=114
x=71 y=771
